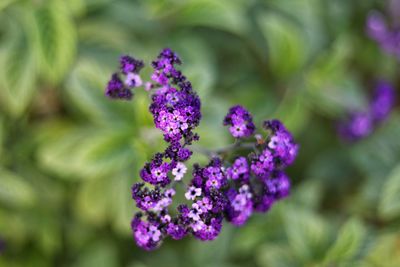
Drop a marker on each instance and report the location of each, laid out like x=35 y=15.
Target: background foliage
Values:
x=68 y=156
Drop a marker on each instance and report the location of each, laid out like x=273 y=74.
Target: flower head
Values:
x=129 y=69
x=130 y=65
x=240 y=205
x=357 y=126
x=382 y=101
x=384 y=28
x=147 y=233
x=218 y=190
x=240 y=121
x=360 y=124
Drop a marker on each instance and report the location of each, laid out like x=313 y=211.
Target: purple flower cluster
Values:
x=240 y=121
x=360 y=124
x=386 y=35
x=274 y=154
x=220 y=190
x=176 y=112
x=129 y=70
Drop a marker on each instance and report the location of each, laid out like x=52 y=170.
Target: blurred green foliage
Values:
x=68 y=155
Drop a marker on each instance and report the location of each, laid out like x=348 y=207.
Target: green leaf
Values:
x=85 y=90
x=348 y=244
x=331 y=87
x=208 y=254
x=108 y=200
x=305 y=13
x=17 y=78
x=76 y=7
x=5 y=3
x=223 y=15
x=308 y=194
x=2 y=136
x=92 y=202
x=293 y=111
x=386 y=251
x=13 y=227
x=385 y=141
x=54 y=33
x=122 y=205
x=389 y=206
x=99 y=254
x=199 y=63
x=287 y=50
x=307 y=233
x=276 y=255
x=87 y=153
x=15 y=191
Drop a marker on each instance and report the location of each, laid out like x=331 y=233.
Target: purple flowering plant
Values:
x=360 y=124
x=231 y=187
x=384 y=28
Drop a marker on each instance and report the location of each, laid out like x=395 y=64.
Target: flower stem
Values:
x=221 y=151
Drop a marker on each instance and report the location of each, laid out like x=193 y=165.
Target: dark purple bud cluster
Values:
x=220 y=190
x=129 y=70
x=360 y=124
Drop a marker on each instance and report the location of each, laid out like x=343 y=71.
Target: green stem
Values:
x=221 y=151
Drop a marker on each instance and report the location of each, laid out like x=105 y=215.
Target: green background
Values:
x=68 y=155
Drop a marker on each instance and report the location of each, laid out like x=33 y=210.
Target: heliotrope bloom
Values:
x=385 y=29
x=224 y=189
x=121 y=83
x=360 y=124
x=240 y=121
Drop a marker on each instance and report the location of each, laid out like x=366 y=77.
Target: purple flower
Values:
x=116 y=89
x=130 y=67
x=356 y=126
x=147 y=234
x=207 y=231
x=216 y=191
x=204 y=204
x=176 y=113
x=360 y=124
x=382 y=101
x=239 y=170
x=176 y=231
x=145 y=198
x=263 y=164
x=273 y=189
x=130 y=64
x=281 y=143
x=240 y=121
x=240 y=205
x=177 y=152
x=210 y=177
x=278 y=186
x=133 y=80
x=376 y=26
x=385 y=31
x=156 y=172
x=195 y=212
